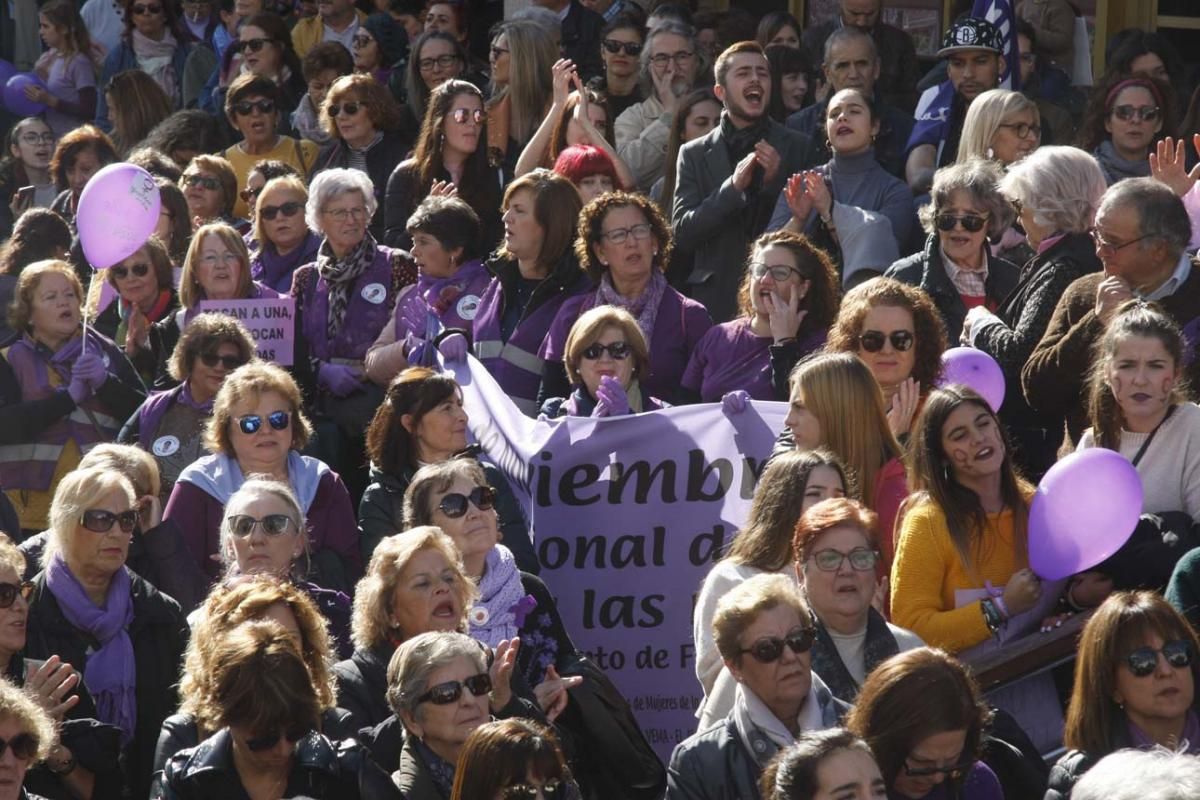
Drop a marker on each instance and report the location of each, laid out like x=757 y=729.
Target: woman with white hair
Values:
x=1056 y=191
x=1001 y=126
x=1159 y=774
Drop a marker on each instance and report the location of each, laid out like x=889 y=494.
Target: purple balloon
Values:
x=1085 y=509
x=14 y=94
x=7 y=70
x=118 y=210
x=976 y=369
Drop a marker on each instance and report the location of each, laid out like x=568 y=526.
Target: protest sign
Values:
x=270 y=320
x=629 y=514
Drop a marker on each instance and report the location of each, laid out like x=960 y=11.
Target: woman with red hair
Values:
x=590 y=169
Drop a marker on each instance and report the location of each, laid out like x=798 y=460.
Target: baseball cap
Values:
x=971 y=33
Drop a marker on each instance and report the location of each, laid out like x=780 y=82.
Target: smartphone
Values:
x=24 y=198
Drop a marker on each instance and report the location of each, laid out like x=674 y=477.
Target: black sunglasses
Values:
x=614 y=47
x=24 y=746
x=139 y=9
x=140 y=270
x=230 y=363
x=454 y=505
x=972 y=223
x=551 y=790
x=1144 y=660
x=288 y=209
x=260 y=743
x=253 y=45
x=449 y=692
x=350 y=108
x=953 y=771
x=770 y=648
x=872 y=341
x=8 y=596
x=98 y=520
x=618 y=350
x=204 y=181
x=242 y=525
x=1128 y=112
x=279 y=420
x=247 y=107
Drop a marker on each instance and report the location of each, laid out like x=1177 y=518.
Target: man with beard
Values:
x=728 y=180
x=671 y=63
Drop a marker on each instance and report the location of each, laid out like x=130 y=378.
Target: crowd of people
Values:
x=223 y=577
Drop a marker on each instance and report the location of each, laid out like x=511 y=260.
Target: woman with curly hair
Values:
x=79 y=155
x=1125 y=117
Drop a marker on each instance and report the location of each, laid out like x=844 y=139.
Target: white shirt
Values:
x=1183 y=271
x=344 y=38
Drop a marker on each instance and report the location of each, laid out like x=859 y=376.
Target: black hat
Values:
x=971 y=33
x=392 y=41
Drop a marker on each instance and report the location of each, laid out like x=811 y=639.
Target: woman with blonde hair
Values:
x=284 y=242
x=1001 y=126
x=522 y=58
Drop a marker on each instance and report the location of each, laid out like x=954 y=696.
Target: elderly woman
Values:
x=229 y=605
x=924 y=717
x=284 y=242
x=254 y=106
x=624 y=244
x=108 y=623
x=1135 y=686
x=836 y=560
x=145 y=287
x=210 y=187
x=61 y=395
x=764 y=633
x=423 y=422
x=154 y=42
x=791 y=483
x=788 y=300
x=1123 y=120
x=1057 y=190
x=605 y=357
x=268 y=712
x=957 y=269
x=258 y=428
x=30 y=732
x=217 y=268
x=451 y=151
x=363 y=121
x=447 y=247
x=1002 y=126
x=513 y=758
x=78 y=156
x=170 y=425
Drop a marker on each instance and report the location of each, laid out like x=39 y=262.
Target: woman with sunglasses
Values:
x=282 y=241
x=957 y=269
x=90 y=610
x=1124 y=118
x=924 y=717
x=144 y=284
x=788 y=299
x=30 y=734
x=1135 y=686
x=522 y=57
x=792 y=483
x=155 y=42
x=515 y=759
x=378 y=46
x=269 y=742
x=263 y=48
x=621 y=41
x=763 y=630
x=210 y=186
x=258 y=428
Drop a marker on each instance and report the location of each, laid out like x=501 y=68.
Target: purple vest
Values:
x=449 y=302
x=370 y=305
x=30 y=465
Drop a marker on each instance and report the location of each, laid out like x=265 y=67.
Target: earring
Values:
x=990 y=153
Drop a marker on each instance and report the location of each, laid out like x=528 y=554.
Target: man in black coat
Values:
x=580 y=35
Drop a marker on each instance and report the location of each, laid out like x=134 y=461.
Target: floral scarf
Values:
x=340 y=275
x=644 y=307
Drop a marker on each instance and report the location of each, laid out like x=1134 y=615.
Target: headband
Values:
x=1148 y=85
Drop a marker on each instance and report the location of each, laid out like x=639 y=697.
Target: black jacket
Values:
x=412 y=775
x=926 y=271
x=159 y=633
x=1066 y=773
x=107 y=322
x=581 y=40
x=381 y=160
x=713 y=765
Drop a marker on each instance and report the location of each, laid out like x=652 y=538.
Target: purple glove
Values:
x=339 y=379
x=453 y=348
x=735 y=402
x=611 y=400
x=87 y=375
x=417 y=349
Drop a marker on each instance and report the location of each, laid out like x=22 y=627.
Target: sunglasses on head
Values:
x=450 y=691
x=617 y=350
x=248 y=107
x=1144 y=113
x=242 y=525
x=350 y=108
x=9 y=592
x=972 y=223
x=454 y=505
x=288 y=209
x=230 y=363
x=769 y=648
x=98 y=520
x=260 y=743
x=24 y=746
x=139 y=9
x=1144 y=660
x=872 y=341
x=139 y=270
x=203 y=181
x=551 y=790
x=614 y=47
x=278 y=420
x=461 y=115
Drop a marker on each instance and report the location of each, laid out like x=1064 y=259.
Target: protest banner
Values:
x=628 y=515
x=270 y=320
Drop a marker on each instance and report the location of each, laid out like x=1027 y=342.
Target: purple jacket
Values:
x=433 y=304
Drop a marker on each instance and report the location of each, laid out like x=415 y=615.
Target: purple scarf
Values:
x=110 y=674
x=1190 y=735
x=644 y=307
x=439 y=295
x=269 y=267
x=494 y=618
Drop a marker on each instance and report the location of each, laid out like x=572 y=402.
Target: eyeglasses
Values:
x=139 y=270
x=203 y=181
x=37 y=138
x=971 y=223
x=1144 y=113
x=639 y=232
x=616 y=350
x=288 y=209
x=614 y=47
x=1106 y=245
x=350 y=108
x=98 y=520
x=253 y=45
x=8 y=596
x=242 y=525
x=442 y=62
x=680 y=57
x=24 y=746
x=446 y=693
x=139 y=9
x=497 y=52
x=1144 y=660
x=768 y=649
x=954 y=771
x=872 y=341
x=278 y=420
x=249 y=194
x=362 y=41
x=551 y=790
x=860 y=558
x=1023 y=129
x=454 y=505
x=343 y=214
x=247 y=107
x=461 y=115
x=778 y=272
x=230 y=363
x=260 y=743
